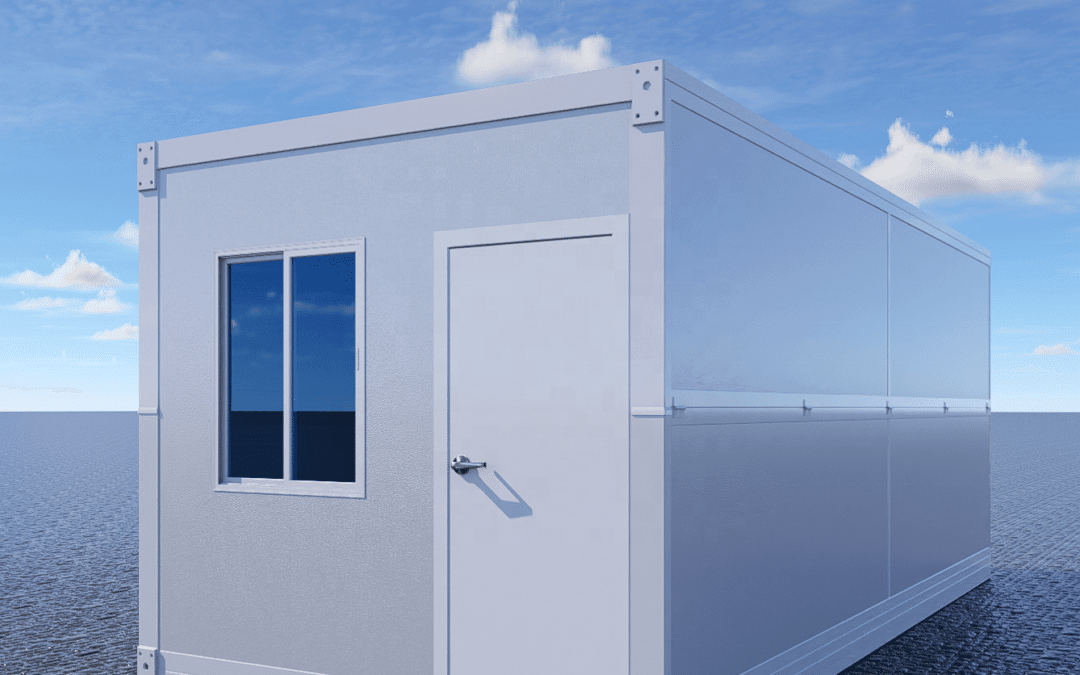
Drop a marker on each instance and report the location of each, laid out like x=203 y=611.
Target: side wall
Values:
x=317 y=583
x=812 y=324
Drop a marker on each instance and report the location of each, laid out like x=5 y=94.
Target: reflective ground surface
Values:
x=69 y=554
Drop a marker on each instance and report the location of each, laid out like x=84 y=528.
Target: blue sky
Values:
x=873 y=85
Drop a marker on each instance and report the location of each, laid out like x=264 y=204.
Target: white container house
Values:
x=726 y=401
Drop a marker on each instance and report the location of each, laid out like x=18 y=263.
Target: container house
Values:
x=598 y=374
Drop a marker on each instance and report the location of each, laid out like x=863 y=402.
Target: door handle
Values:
x=461 y=464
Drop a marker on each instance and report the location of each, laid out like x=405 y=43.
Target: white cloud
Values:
x=40 y=304
x=128 y=234
x=125 y=332
x=104 y=303
x=942 y=137
x=918 y=171
x=850 y=161
x=948 y=113
x=1060 y=348
x=76 y=272
x=509 y=56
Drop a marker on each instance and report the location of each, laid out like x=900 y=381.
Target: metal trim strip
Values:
x=845 y=643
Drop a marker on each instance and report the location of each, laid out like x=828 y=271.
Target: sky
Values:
x=967 y=109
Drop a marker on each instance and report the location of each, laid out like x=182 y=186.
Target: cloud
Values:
x=850 y=161
x=76 y=272
x=948 y=113
x=1060 y=348
x=104 y=303
x=125 y=332
x=942 y=137
x=128 y=234
x=509 y=56
x=41 y=304
x=918 y=171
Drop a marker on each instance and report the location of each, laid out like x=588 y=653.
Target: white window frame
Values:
x=287 y=485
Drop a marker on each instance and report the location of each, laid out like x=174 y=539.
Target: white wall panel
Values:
x=939 y=318
x=940 y=485
x=776 y=279
x=778 y=532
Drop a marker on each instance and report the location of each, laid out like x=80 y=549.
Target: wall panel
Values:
x=940 y=487
x=939 y=318
x=776 y=279
x=777 y=532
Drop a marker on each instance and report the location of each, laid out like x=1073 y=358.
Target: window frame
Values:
x=287 y=485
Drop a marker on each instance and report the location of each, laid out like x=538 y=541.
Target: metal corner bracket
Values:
x=147 y=661
x=647 y=104
x=146 y=172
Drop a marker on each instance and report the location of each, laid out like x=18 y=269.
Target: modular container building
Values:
x=594 y=374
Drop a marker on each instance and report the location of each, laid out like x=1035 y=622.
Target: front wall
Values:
x=778 y=532
x=314 y=583
x=775 y=278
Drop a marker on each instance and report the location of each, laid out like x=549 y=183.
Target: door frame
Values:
x=615 y=226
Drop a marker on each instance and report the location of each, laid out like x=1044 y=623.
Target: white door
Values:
x=537 y=369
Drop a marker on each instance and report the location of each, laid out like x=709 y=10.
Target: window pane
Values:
x=324 y=367
x=256 y=366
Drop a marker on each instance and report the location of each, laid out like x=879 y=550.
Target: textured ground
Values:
x=69 y=546
x=69 y=554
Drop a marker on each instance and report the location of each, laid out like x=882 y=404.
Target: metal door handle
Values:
x=461 y=464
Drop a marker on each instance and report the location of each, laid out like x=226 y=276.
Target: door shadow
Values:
x=512 y=509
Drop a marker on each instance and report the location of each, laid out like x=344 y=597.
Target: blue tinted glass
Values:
x=256 y=363
x=324 y=367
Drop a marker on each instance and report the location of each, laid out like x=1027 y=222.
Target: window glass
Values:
x=324 y=365
x=256 y=370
